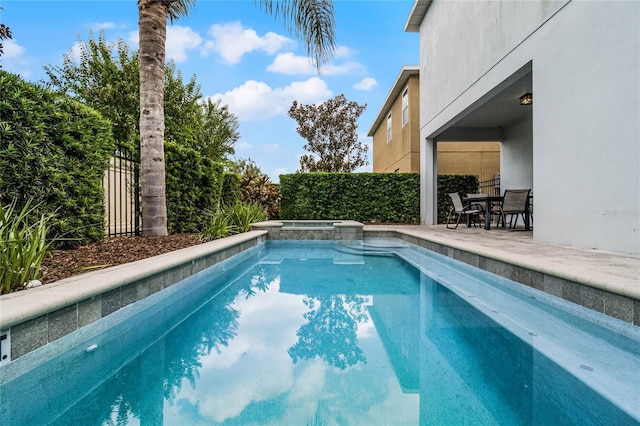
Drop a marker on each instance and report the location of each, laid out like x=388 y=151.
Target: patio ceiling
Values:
x=486 y=119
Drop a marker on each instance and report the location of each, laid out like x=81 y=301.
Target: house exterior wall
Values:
x=474 y=158
x=402 y=153
x=585 y=137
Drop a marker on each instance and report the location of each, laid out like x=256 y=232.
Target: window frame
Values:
x=405 y=106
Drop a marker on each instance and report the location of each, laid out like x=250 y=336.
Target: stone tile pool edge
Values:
x=35 y=317
x=44 y=314
x=598 y=296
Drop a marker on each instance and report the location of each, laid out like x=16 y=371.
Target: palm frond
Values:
x=178 y=8
x=312 y=22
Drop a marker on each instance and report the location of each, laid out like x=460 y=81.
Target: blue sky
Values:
x=239 y=54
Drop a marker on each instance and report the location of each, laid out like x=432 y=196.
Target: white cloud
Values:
x=103 y=25
x=12 y=49
x=243 y=146
x=14 y=58
x=232 y=41
x=256 y=100
x=366 y=84
x=343 y=52
x=291 y=64
x=179 y=40
x=76 y=50
x=280 y=171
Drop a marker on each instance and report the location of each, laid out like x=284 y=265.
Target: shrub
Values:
x=193 y=186
x=258 y=189
x=234 y=219
x=230 y=189
x=242 y=215
x=380 y=197
x=23 y=245
x=462 y=184
x=54 y=151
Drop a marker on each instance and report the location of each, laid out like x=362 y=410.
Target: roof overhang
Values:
x=396 y=89
x=418 y=11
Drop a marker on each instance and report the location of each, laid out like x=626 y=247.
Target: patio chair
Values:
x=472 y=212
x=514 y=204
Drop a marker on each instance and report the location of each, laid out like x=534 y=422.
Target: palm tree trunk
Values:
x=153 y=32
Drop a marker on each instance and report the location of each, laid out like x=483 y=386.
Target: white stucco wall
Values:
x=516 y=154
x=586 y=134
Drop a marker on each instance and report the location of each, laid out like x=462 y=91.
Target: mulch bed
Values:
x=110 y=252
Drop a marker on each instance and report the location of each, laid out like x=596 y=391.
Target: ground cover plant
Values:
x=23 y=245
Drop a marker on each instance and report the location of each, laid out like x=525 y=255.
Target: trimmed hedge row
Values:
x=193 y=187
x=462 y=184
x=380 y=197
x=54 y=150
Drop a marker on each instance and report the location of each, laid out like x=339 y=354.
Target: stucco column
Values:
x=428 y=182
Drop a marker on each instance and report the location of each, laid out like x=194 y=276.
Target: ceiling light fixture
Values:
x=526 y=99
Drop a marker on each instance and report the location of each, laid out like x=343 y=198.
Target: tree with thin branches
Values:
x=311 y=21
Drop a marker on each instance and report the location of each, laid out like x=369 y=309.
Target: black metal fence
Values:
x=490 y=187
x=122 y=193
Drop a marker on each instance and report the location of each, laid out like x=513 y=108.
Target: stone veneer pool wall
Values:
x=311 y=229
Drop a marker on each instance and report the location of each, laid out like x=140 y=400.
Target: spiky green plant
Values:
x=242 y=215
x=217 y=225
x=23 y=245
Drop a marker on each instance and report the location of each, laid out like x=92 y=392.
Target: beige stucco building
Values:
x=396 y=128
x=396 y=137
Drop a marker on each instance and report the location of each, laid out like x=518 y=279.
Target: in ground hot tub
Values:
x=311 y=229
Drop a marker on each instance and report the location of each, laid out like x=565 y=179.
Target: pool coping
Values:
x=618 y=299
x=32 y=318
x=37 y=316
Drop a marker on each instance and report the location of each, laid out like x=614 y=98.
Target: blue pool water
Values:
x=328 y=333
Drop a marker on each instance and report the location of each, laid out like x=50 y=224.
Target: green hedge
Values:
x=380 y=197
x=462 y=184
x=54 y=151
x=194 y=186
x=231 y=193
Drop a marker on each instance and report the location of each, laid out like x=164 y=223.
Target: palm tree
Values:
x=310 y=20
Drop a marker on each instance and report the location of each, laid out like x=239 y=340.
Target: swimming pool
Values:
x=380 y=332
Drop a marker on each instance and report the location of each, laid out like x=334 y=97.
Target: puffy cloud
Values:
x=179 y=41
x=14 y=58
x=256 y=100
x=291 y=64
x=12 y=49
x=366 y=84
x=232 y=41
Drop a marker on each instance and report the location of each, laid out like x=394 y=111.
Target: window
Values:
x=405 y=107
x=389 y=128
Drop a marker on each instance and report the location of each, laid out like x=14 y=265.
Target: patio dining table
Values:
x=490 y=200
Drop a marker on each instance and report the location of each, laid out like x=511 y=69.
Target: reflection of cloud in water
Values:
x=257 y=356
x=366 y=329
x=256 y=369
